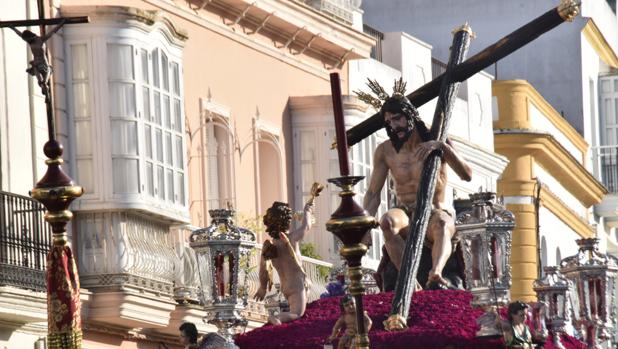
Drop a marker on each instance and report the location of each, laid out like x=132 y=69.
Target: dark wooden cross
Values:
x=39 y=66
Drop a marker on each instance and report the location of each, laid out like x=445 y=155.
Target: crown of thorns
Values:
x=399 y=90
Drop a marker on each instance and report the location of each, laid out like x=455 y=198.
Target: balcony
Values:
x=25 y=239
x=340 y=10
x=606 y=160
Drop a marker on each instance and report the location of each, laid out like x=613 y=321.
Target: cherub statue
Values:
x=39 y=66
x=283 y=251
x=347 y=322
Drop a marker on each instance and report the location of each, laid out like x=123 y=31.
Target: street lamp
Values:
x=222 y=251
x=485 y=232
x=552 y=290
x=594 y=275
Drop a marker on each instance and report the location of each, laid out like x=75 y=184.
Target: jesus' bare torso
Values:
x=406 y=167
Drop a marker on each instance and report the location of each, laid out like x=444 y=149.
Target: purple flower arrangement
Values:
x=438 y=319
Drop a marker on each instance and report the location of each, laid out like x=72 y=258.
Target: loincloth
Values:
x=409 y=210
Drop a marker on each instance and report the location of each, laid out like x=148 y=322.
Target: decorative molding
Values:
x=552 y=156
x=19 y=306
x=579 y=224
x=596 y=39
x=147 y=19
x=513 y=98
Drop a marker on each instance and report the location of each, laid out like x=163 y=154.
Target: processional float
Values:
x=445 y=87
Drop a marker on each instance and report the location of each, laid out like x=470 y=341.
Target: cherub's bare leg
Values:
x=392 y=222
x=298 y=304
x=440 y=232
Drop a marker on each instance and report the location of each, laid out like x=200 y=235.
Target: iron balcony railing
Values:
x=25 y=240
x=340 y=10
x=606 y=162
x=376 y=51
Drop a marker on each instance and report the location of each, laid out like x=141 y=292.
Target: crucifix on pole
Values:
x=55 y=191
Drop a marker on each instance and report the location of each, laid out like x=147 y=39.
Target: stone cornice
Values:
x=21 y=306
x=144 y=18
x=551 y=201
x=554 y=158
x=601 y=46
x=480 y=157
x=514 y=96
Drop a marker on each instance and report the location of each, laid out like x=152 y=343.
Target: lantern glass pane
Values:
x=205 y=271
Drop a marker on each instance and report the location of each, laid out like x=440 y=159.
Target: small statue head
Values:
x=347 y=304
x=277 y=219
x=517 y=312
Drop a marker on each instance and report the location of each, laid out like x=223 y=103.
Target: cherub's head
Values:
x=277 y=219
x=347 y=304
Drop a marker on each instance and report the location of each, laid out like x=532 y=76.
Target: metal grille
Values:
x=25 y=240
x=438 y=68
x=607 y=157
x=376 y=51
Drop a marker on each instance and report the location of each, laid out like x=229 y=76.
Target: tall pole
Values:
x=55 y=191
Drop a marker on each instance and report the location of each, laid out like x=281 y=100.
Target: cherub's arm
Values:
x=338 y=326
x=265 y=279
x=298 y=235
x=368 y=322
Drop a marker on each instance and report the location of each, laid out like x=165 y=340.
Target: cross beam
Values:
x=47 y=21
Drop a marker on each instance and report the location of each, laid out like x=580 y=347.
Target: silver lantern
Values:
x=593 y=275
x=222 y=251
x=485 y=234
x=552 y=289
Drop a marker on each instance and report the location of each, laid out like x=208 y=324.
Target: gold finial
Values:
x=399 y=87
x=399 y=90
x=568 y=9
x=465 y=28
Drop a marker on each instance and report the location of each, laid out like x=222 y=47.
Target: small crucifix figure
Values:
x=39 y=66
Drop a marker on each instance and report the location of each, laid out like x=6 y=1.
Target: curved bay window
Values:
x=125 y=104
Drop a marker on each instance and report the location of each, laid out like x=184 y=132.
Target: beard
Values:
x=394 y=137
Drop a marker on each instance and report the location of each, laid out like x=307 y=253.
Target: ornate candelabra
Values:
x=552 y=290
x=350 y=223
x=485 y=232
x=222 y=251
x=593 y=275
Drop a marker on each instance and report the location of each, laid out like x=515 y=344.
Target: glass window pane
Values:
x=146 y=103
x=83 y=138
x=307 y=175
x=179 y=188
x=176 y=78
x=169 y=182
x=81 y=102
x=178 y=159
x=155 y=67
x=159 y=144
x=84 y=175
x=177 y=116
x=609 y=113
x=168 y=148
x=307 y=146
x=615 y=85
x=148 y=141
x=149 y=179
x=166 y=112
x=165 y=72
x=144 y=61
x=79 y=57
x=160 y=190
x=610 y=137
x=126 y=174
x=119 y=61
x=605 y=86
x=124 y=136
x=123 y=97
x=157 y=107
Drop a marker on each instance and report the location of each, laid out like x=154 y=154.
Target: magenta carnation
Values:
x=438 y=319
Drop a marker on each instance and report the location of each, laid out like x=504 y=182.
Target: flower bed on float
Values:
x=438 y=319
